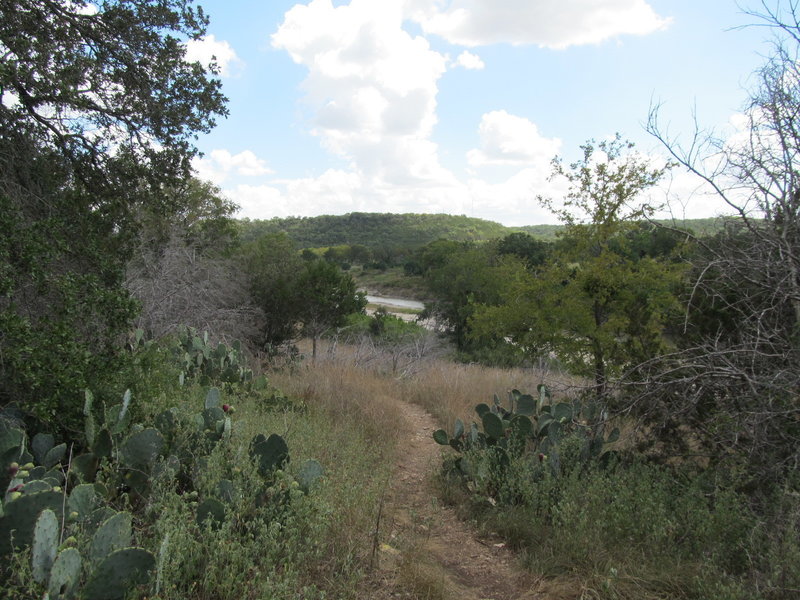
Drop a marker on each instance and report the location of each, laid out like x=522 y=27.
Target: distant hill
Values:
x=387 y=230
x=376 y=229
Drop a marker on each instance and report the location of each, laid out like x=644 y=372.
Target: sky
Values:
x=459 y=106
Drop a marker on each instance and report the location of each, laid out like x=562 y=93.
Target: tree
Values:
x=183 y=274
x=325 y=296
x=98 y=115
x=590 y=303
x=525 y=246
x=273 y=266
x=734 y=381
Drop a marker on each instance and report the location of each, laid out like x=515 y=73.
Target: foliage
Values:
x=184 y=272
x=324 y=298
x=272 y=267
x=462 y=278
x=597 y=303
x=89 y=167
x=531 y=429
x=375 y=230
x=537 y=472
x=82 y=543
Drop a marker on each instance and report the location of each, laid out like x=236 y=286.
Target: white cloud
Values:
x=507 y=139
x=258 y=201
x=468 y=60
x=372 y=87
x=208 y=50
x=220 y=164
x=546 y=23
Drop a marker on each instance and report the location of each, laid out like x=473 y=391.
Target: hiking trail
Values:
x=425 y=550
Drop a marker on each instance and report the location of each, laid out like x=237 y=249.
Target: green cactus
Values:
x=114 y=534
x=37 y=485
x=19 y=518
x=41 y=444
x=65 y=575
x=82 y=501
x=11 y=438
x=84 y=467
x=211 y=510
x=213 y=398
x=45 y=545
x=141 y=449
x=272 y=452
x=118 y=573
x=103 y=444
x=493 y=426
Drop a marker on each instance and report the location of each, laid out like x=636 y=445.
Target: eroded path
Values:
x=426 y=551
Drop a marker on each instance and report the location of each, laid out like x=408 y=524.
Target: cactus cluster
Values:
x=207 y=363
x=110 y=571
x=55 y=495
x=532 y=426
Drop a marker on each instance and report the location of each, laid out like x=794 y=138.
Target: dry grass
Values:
x=449 y=390
x=344 y=391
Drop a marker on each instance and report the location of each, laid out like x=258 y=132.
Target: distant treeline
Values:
x=387 y=230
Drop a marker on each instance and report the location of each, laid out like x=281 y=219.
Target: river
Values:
x=395 y=302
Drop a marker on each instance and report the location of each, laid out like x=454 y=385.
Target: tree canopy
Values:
x=98 y=115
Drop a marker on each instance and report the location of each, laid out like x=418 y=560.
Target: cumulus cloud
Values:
x=372 y=86
x=546 y=23
x=507 y=139
x=468 y=60
x=208 y=50
x=220 y=164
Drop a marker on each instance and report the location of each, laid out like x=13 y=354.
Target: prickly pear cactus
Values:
x=271 y=453
x=45 y=545
x=82 y=501
x=118 y=573
x=211 y=510
x=19 y=518
x=141 y=449
x=41 y=444
x=65 y=575
x=114 y=534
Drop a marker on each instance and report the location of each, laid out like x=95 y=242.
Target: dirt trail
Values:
x=426 y=551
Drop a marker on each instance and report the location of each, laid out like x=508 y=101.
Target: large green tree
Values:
x=592 y=304
x=98 y=116
x=272 y=265
x=324 y=297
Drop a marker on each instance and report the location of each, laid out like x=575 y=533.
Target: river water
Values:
x=395 y=302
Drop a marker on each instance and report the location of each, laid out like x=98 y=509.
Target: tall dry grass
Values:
x=450 y=391
x=348 y=394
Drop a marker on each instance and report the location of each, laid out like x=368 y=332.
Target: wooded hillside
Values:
x=410 y=230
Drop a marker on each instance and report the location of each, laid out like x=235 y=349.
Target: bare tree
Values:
x=177 y=285
x=735 y=381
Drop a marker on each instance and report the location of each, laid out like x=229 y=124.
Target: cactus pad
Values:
x=82 y=500
x=41 y=444
x=272 y=452
x=212 y=509
x=493 y=426
x=45 y=545
x=114 y=534
x=118 y=573
x=142 y=448
x=65 y=575
x=20 y=516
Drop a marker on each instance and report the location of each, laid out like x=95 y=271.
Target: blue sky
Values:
x=458 y=106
